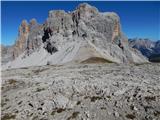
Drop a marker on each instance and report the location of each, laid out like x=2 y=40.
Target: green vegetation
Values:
x=73 y=116
x=96 y=60
x=79 y=102
x=150 y=98
x=40 y=89
x=94 y=98
x=130 y=116
x=8 y=116
x=12 y=81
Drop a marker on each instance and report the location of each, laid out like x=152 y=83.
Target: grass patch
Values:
x=150 y=98
x=8 y=116
x=103 y=108
x=6 y=99
x=8 y=107
x=35 y=118
x=138 y=64
x=59 y=110
x=30 y=104
x=109 y=97
x=39 y=70
x=78 y=102
x=73 y=116
x=94 y=98
x=130 y=116
x=40 y=89
x=53 y=112
x=12 y=81
x=2 y=88
x=86 y=97
x=3 y=104
x=19 y=102
x=24 y=67
x=96 y=60
x=157 y=113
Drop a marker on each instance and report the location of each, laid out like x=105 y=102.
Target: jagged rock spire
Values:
x=33 y=23
x=23 y=28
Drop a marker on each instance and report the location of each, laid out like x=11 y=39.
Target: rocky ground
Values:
x=82 y=92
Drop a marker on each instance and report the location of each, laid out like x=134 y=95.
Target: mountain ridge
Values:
x=149 y=48
x=85 y=28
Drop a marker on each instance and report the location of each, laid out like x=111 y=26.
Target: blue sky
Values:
x=138 y=19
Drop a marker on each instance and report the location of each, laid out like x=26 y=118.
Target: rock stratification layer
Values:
x=77 y=36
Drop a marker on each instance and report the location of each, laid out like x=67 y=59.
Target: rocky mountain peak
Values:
x=23 y=28
x=86 y=10
x=32 y=24
x=142 y=42
x=56 y=13
x=24 y=23
x=149 y=48
x=157 y=44
x=23 y=42
x=33 y=21
x=86 y=7
x=76 y=36
x=19 y=45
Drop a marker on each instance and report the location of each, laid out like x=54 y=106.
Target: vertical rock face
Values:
x=34 y=38
x=33 y=23
x=62 y=21
x=28 y=38
x=116 y=30
x=19 y=46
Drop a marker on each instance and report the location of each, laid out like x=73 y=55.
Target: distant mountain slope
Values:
x=78 y=35
x=6 y=53
x=150 y=49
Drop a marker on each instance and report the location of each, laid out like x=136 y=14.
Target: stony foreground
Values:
x=82 y=92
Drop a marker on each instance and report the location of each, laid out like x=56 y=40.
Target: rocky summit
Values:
x=76 y=36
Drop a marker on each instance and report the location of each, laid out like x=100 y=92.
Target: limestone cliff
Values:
x=19 y=46
x=25 y=34
x=78 y=35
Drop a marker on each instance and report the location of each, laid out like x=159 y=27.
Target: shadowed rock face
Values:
x=85 y=26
